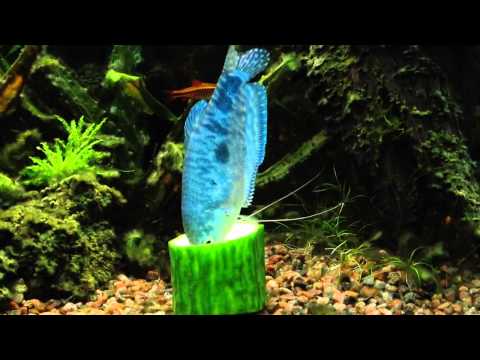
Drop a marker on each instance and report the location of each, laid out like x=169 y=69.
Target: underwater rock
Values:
x=15 y=155
x=10 y=191
x=59 y=240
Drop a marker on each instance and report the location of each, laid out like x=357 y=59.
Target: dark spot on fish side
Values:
x=221 y=153
x=232 y=84
x=223 y=103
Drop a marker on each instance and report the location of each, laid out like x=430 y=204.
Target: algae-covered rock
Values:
x=10 y=191
x=60 y=240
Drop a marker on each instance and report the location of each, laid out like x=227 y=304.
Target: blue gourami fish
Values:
x=225 y=142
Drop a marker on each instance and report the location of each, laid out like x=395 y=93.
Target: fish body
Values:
x=225 y=142
x=198 y=91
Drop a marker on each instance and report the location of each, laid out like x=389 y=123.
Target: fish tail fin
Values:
x=253 y=62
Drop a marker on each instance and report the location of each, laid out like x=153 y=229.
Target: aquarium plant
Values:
x=9 y=189
x=218 y=264
x=64 y=159
x=416 y=272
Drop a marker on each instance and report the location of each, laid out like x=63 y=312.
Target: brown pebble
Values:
x=52 y=304
x=360 y=307
x=302 y=299
x=444 y=306
x=35 y=304
x=290 y=275
x=371 y=309
x=384 y=311
x=13 y=305
x=435 y=303
x=350 y=294
x=457 y=308
x=450 y=295
x=287 y=297
x=123 y=278
x=284 y=290
x=338 y=296
x=323 y=300
x=309 y=294
x=467 y=300
x=315 y=275
x=274 y=259
x=53 y=312
x=114 y=308
x=368 y=292
x=272 y=304
x=68 y=307
x=395 y=304
x=279 y=311
x=272 y=287
x=280 y=249
x=153 y=275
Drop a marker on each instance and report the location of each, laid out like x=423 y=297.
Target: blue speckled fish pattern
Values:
x=225 y=143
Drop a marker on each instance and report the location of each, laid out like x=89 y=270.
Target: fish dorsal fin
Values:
x=231 y=60
x=253 y=62
x=193 y=119
x=253 y=102
x=197 y=83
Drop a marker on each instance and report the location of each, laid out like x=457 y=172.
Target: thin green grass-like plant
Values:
x=416 y=271
x=63 y=159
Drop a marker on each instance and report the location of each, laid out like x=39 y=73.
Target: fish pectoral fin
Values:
x=193 y=119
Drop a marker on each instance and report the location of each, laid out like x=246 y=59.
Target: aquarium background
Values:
x=387 y=134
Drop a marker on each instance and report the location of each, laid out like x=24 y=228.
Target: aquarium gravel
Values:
x=297 y=284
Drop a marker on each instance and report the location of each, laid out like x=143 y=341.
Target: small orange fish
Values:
x=198 y=91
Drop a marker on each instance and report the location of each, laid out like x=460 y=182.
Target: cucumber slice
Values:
x=226 y=277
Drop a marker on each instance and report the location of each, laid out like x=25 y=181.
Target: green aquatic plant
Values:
x=290 y=61
x=140 y=247
x=417 y=272
x=327 y=229
x=64 y=159
x=9 y=189
x=319 y=232
x=355 y=255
